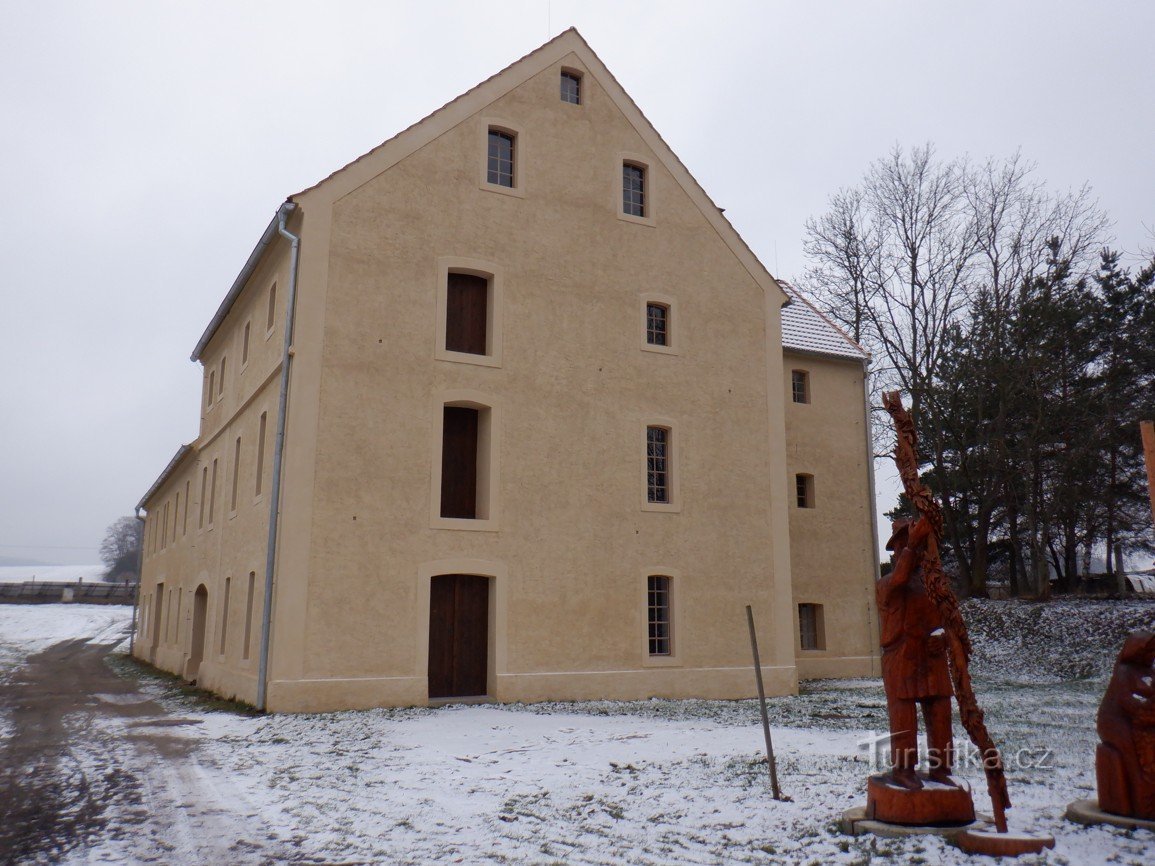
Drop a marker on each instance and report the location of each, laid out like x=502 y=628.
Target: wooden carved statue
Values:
x=926 y=655
x=1125 y=759
x=914 y=668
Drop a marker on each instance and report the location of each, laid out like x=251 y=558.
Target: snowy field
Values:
x=52 y=573
x=650 y=782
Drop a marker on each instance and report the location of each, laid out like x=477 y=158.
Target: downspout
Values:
x=139 y=578
x=868 y=426
x=283 y=215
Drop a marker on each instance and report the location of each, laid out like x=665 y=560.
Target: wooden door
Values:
x=467 y=298
x=157 y=616
x=458 y=635
x=459 y=462
x=197 y=649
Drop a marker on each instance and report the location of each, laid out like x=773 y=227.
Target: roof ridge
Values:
x=438 y=110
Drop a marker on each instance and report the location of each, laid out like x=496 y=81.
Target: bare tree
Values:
x=120 y=549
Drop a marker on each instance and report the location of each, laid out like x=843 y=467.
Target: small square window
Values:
x=811 y=629
x=804 y=490
x=633 y=190
x=657 y=324
x=500 y=159
x=800 y=386
x=571 y=88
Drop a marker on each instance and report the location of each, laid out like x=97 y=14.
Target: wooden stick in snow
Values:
x=762 y=705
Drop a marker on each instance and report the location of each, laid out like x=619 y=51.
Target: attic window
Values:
x=633 y=189
x=571 y=88
x=500 y=159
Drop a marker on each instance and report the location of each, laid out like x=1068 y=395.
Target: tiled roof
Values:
x=804 y=329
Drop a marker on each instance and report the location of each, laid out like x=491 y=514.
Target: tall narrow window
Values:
x=804 y=490
x=236 y=474
x=800 y=386
x=657 y=464
x=164 y=528
x=225 y=613
x=261 y=452
x=245 y=344
x=176 y=515
x=811 y=631
x=249 y=613
x=657 y=324
x=213 y=492
x=221 y=381
x=500 y=162
x=187 y=504
x=459 y=462
x=658 y=614
x=272 y=314
x=466 y=313
x=633 y=189
x=212 y=386
x=179 y=602
x=204 y=496
x=571 y=88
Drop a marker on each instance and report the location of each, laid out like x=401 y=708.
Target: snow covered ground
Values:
x=650 y=782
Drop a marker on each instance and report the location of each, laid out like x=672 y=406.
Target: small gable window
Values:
x=571 y=88
x=633 y=189
x=500 y=159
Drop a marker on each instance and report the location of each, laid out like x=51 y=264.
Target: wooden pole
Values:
x=762 y=705
x=1147 y=429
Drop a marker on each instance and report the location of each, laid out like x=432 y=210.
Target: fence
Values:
x=50 y=592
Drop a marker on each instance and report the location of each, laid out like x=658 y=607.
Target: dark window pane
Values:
x=571 y=88
x=658 y=614
x=657 y=317
x=657 y=465
x=633 y=190
x=798 y=384
x=500 y=169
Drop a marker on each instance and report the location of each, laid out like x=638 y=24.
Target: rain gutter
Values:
x=280 y=224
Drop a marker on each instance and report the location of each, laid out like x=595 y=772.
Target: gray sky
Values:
x=144 y=146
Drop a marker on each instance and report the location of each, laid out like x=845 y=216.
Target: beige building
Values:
x=533 y=422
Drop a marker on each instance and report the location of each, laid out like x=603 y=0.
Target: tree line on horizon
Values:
x=1025 y=345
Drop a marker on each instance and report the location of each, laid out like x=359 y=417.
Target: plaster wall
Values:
x=570 y=539
x=208 y=541
x=833 y=559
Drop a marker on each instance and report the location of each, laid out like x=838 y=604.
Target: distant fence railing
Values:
x=52 y=592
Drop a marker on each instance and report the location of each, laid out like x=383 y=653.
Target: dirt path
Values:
x=97 y=771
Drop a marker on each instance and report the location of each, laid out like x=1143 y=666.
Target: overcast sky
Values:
x=144 y=147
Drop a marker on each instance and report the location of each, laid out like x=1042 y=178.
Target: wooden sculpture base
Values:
x=1001 y=844
x=932 y=805
x=1090 y=812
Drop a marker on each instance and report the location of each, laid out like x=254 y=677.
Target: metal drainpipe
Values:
x=139 y=578
x=872 y=624
x=278 y=453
